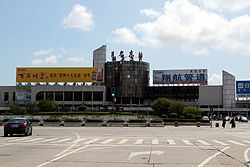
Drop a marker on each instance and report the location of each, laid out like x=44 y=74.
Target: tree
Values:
x=47 y=106
x=192 y=112
x=161 y=106
x=82 y=108
x=176 y=107
x=31 y=108
x=16 y=109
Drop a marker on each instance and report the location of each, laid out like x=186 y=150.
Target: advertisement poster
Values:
x=23 y=94
x=60 y=74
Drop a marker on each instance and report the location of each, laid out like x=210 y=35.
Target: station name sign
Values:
x=60 y=74
x=190 y=76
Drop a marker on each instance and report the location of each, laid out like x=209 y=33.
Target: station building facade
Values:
x=126 y=86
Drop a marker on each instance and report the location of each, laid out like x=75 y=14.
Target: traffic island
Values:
x=51 y=122
x=137 y=123
x=72 y=123
x=115 y=123
x=94 y=123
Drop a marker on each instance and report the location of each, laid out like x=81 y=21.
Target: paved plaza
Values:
x=182 y=146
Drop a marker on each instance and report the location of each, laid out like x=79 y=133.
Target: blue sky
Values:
x=172 y=34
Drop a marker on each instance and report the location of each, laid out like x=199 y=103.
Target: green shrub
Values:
x=5 y=120
x=72 y=120
x=173 y=115
x=192 y=112
x=16 y=109
x=161 y=106
x=47 y=106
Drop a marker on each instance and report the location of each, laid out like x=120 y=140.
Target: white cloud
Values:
x=232 y=5
x=43 y=52
x=124 y=35
x=75 y=59
x=215 y=79
x=80 y=18
x=150 y=12
x=47 y=60
x=188 y=27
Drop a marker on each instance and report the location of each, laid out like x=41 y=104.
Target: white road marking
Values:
x=47 y=140
x=171 y=142
x=237 y=143
x=155 y=141
x=246 y=157
x=246 y=141
x=59 y=141
x=91 y=141
x=107 y=141
x=74 y=144
x=123 y=141
x=139 y=141
x=33 y=140
x=219 y=142
x=23 y=138
x=187 y=142
x=204 y=143
x=211 y=157
x=133 y=154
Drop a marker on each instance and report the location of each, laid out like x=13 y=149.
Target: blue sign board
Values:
x=190 y=76
x=243 y=87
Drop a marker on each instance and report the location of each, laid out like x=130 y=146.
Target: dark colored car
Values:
x=18 y=126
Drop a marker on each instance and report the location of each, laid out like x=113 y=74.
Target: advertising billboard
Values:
x=243 y=88
x=23 y=94
x=191 y=76
x=60 y=74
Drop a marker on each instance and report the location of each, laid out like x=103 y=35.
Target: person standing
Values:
x=223 y=122
x=232 y=123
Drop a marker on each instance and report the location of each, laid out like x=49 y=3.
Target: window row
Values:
x=69 y=96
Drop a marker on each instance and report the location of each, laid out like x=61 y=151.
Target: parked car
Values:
x=244 y=119
x=205 y=118
x=18 y=126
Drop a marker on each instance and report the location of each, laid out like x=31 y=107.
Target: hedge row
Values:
x=184 y=120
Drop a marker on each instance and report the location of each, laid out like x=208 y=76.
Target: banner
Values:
x=191 y=76
x=23 y=94
x=60 y=74
x=243 y=88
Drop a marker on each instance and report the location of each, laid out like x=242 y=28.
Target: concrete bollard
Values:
x=176 y=123
x=198 y=124
x=217 y=125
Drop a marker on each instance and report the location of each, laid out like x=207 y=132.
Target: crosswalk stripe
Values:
x=203 y=142
x=59 y=141
x=187 y=142
x=155 y=141
x=23 y=138
x=171 y=142
x=219 y=142
x=123 y=141
x=234 y=142
x=139 y=141
x=47 y=140
x=107 y=141
x=91 y=141
x=33 y=140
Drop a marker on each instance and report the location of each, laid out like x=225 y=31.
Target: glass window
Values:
x=97 y=96
x=49 y=95
x=77 y=96
x=39 y=96
x=87 y=96
x=68 y=96
x=58 y=96
x=6 y=96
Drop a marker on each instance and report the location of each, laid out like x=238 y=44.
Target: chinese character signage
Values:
x=23 y=94
x=193 y=76
x=60 y=74
x=243 y=88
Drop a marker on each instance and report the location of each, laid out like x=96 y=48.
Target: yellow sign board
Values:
x=60 y=74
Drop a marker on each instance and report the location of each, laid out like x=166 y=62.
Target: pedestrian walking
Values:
x=232 y=123
x=223 y=122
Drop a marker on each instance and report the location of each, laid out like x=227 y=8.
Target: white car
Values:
x=244 y=119
x=205 y=118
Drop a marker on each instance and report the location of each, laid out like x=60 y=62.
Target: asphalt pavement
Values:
x=183 y=146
